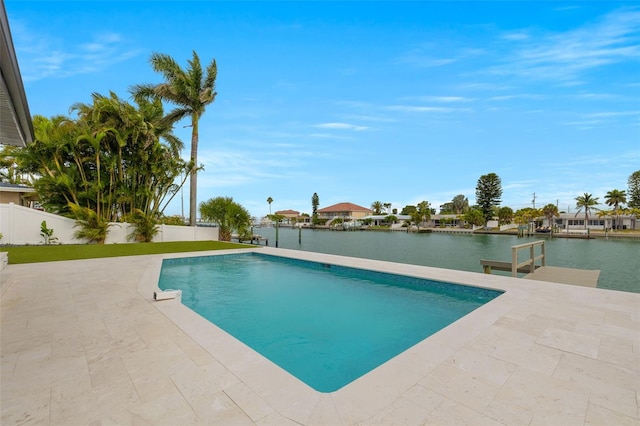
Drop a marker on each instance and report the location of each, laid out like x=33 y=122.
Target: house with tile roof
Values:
x=344 y=210
x=289 y=214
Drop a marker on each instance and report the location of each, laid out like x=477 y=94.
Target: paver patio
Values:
x=82 y=342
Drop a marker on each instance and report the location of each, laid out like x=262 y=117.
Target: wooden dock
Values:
x=254 y=239
x=533 y=271
x=556 y=274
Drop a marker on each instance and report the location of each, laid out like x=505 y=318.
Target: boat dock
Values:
x=254 y=239
x=541 y=272
x=555 y=274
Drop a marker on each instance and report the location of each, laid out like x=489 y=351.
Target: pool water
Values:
x=325 y=324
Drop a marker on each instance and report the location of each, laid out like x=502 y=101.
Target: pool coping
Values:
x=83 y=342
x=363 y=399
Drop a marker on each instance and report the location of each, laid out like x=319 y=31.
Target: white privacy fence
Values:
x=21 y=225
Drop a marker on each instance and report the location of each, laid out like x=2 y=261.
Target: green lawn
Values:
x=32 y=254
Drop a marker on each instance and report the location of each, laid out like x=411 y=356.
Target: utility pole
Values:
x=534 y=201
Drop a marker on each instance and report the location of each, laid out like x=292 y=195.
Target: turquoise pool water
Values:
x=325 y=324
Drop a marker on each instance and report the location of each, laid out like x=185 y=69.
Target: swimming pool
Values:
x=325 y=324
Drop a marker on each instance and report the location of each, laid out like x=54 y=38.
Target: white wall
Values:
x=21 y=225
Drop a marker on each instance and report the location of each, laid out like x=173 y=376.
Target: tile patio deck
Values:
x=82 y=342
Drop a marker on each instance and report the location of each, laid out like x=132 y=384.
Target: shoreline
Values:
x=635 y=235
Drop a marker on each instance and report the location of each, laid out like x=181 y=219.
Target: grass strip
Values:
x=52 y=253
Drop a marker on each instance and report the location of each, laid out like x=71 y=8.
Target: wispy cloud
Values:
x=370 y=118
x=518 y=35
x=614 y=114
x=516 y=96
x=327 y=136
x=341 y=126
x=442 y=99
x=45 y=56
x=417 y=108
x=428 y=55
x=419 y=60
x=564 y=57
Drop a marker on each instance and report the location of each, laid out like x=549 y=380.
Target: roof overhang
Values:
x=7 y=187
x=16 y=127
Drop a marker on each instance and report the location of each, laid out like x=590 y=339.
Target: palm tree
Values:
x=424 y=209
x=614 y=198
x=269 y=200
x=377 y=207
x=191 y=89
x=549 y=211
x=229 y=215
x=586 y=202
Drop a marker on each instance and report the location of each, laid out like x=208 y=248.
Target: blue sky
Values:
x=396 y=102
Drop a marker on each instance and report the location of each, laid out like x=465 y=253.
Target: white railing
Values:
x=21 y=225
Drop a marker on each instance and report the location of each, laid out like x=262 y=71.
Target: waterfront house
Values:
x=290 y=216
x=344 y=211
x=569 y=221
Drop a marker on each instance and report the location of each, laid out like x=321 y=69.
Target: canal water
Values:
x=618 y=260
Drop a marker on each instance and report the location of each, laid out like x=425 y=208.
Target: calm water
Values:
x=618 y=260
x=325 y=324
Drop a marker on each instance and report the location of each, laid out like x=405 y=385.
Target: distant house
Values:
x=345 y=211
x=570 y=221
x=290 y=216
x=20 y=195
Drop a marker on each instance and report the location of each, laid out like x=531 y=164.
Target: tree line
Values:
x=118 y=160
x=488 y=200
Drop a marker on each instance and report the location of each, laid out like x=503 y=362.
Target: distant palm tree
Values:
x=191 y=89
x=586 y=202
x=424 y=209
x=377 y=207
x=615 y=198
x=549 y=211
x=269 y=200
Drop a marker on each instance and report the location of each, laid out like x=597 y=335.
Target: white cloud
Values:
x=515 y=36
x=565 y=56
x=614 y=114
x=413 y=108
x=44 y=55
x=327 y=136
x=516 y=96
x=341 y=126
x=443 y=99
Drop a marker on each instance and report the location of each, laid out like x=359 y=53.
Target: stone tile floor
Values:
x=83 y=342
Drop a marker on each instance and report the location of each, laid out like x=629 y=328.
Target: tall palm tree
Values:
x=614 y=198
x=586 y=202
x=269 y=200
x=191 y=90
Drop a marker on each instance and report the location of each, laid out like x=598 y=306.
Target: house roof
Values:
x=12 y=187
x=288 y=212
x=344 y=207
x=16 y=127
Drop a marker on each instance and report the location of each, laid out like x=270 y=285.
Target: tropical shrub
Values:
x=47 y=234
x=145 y=226
x=228 y=215
x=92 y=227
